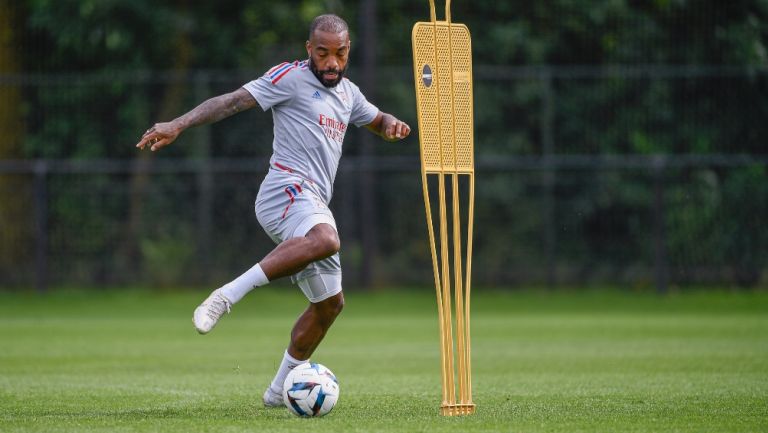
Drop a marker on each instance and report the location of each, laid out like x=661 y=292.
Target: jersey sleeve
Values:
x=363 y=112
x=275 y=87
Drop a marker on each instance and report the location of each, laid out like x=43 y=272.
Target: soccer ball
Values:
x=310 y=390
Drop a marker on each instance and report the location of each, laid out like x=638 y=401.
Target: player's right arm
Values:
x=212 y=110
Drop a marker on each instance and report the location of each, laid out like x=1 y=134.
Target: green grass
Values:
x=557 y=362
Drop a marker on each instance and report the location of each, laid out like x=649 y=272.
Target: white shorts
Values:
x=287 y=207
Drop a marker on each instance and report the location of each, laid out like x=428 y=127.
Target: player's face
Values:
x=328 y=55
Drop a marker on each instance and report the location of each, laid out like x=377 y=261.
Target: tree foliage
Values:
x=614 y=77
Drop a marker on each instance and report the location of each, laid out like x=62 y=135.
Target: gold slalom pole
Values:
x=438 y=289
x=446 y=274
x=451 y=142
x=442 y=52
x=460 y=325
x=460 y=345
x=432 y=14
x=442 y=282
x=467 y=285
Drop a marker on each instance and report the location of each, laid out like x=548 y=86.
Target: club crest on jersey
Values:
x=342 y=95
x=333 y=129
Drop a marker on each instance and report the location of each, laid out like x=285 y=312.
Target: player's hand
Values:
x=159 y=136
x=395 y=129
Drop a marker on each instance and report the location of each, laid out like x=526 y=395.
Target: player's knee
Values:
x=325 y=242
x=336 y=304
x=330 y=308
x=331 y=245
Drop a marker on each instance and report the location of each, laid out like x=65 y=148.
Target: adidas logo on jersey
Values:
x=317 y=95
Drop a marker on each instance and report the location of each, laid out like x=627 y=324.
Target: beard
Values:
x=319 y=74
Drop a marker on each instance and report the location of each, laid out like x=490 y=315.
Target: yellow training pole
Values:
x=447 y=321
x=438 y=287
x=443 y=77
x=467 y=285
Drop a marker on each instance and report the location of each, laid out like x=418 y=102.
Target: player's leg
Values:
x=321 y=283
x=288 y=258
x=312 y=325
x=295 y=254
x=306 y=335
x=301 y=225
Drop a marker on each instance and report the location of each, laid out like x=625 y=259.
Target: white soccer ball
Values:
x=310 y=390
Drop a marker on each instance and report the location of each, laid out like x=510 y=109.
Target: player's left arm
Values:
x=389 y=127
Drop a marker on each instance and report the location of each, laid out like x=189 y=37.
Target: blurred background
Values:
x=619 y=143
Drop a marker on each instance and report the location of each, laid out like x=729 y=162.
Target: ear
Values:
x=309 y=48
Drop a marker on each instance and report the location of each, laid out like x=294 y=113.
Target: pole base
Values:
x=457 y=409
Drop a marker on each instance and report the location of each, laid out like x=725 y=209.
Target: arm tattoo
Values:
x=386 y=119
x=218 y=108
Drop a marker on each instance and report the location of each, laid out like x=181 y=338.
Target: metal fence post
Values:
x=204 y=176
x=661 y=265
x=548 y=174
x=369 y=214
x=41 y=225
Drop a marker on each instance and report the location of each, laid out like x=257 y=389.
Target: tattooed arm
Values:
x=212 y=110
x=389 y=127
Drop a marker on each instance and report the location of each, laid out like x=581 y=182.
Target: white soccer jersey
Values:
x=310 y=120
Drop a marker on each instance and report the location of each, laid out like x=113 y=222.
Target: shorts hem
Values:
x=321 y=286
x=325 y=296
x=311 y=221
x=312 y=272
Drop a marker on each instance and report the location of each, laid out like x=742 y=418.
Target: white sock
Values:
x=252 y=278
x=288 y=364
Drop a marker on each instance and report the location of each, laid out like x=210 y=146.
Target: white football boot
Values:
x=272 y=398
x=210 y=311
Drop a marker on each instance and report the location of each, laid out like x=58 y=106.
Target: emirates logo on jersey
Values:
x=334 y=129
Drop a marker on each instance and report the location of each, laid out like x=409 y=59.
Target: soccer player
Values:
x=312 y=104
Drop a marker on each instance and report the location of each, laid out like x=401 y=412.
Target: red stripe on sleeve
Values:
x=271 y=71
x=282 y=74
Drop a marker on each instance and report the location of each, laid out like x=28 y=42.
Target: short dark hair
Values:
x=328 y=23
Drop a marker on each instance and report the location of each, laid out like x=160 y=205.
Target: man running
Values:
x=312 y=104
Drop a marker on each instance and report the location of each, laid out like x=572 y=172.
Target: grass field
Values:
x=555 y=362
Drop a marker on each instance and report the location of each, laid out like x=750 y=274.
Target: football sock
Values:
x=288 y=364
x=252 y=278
